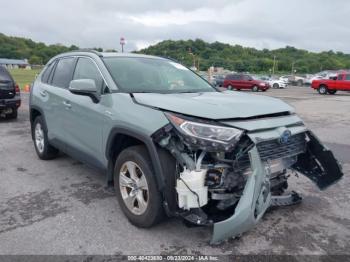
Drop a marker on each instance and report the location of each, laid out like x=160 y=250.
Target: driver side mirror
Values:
x=85 y=87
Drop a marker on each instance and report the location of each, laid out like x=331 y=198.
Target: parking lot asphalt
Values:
x=62 y=207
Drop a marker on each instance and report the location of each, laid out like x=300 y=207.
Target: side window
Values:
x=86 y=69
x=347 y=77
x=45 y=76
x=63 y=72
x=229 y=77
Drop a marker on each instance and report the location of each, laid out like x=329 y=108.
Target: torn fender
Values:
x=318 y=163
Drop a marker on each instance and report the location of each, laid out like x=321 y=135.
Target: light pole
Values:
x=293 y=71
x=273 y=67
x=122 y=43
x=194 y=57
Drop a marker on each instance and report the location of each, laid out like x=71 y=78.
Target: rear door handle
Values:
x=43 y=93
x=67 y=104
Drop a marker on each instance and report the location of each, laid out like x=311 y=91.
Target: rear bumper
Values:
x=10 y=103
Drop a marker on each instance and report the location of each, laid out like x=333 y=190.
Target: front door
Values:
x=84 y=118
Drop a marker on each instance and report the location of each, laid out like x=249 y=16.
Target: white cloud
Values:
x=312 y=24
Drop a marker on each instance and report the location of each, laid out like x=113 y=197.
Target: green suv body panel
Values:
x=262 y=130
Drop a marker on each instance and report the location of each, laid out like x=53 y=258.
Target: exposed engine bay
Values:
x=217 y=182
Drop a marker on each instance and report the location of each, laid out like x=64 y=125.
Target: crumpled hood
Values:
x=215 y=105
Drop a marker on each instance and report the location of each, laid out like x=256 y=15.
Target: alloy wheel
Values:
x=134 y=188
x=39 y=138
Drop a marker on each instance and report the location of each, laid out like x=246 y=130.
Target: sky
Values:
x=315 y=25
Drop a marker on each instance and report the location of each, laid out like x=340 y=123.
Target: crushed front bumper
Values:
x=317 y=163
x=251 y=206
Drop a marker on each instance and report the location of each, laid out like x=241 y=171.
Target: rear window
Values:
x=5 y=75
x=46 y=74
x=63 y=72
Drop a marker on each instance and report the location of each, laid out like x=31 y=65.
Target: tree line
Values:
x=36 y=53
x=200 y=53
x=246 y=59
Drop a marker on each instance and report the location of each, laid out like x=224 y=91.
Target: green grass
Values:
x=24 y=76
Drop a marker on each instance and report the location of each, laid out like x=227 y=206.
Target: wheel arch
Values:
x=122 y=138
x=33 y=114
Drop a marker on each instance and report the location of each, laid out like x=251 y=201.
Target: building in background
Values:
x=14 y=63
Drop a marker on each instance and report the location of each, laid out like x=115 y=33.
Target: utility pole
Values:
x=273 y=67
x=194 y=57
x=122 y=43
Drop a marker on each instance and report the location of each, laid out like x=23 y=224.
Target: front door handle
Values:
x=67 y=104
x=43 y=93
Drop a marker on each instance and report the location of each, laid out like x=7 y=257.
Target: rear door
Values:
x=53 y=94
x=338 y=84
x=236 y=81
x=245 y=82
x=7 y=84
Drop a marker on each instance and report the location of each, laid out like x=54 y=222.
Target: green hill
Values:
x=36 y=53
x=238 y=58
x=233 y=57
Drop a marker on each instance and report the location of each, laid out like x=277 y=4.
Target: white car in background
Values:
x=275 y=82
x=278 y=83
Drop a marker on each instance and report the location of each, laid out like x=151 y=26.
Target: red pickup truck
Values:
x=341 y=82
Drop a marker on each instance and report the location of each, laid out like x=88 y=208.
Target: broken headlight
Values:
x=208 y=136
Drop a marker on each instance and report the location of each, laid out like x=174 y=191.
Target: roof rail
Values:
x=88 y=50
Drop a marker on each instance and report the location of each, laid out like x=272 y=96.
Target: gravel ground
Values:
x=62 y=206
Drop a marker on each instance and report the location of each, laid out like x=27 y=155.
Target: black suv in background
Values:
x=10 y=99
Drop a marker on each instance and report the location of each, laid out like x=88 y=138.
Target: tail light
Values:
x=17 y=89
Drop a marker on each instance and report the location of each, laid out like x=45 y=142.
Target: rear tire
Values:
x=332 y=92
x=229 y=87
x=275 y=85
x=255 y=89
x=323 y=90
x=41 y=143
x=300 y=82
x=141 y=205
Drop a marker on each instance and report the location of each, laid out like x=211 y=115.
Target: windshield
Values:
x=152 y=75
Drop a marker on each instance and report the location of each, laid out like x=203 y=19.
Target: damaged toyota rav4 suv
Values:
x=170 y=143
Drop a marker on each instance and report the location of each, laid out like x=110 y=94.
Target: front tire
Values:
x=323 y=90
x=255 y=89
x=275 y=85
x=136 y=187
x=41 y=143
